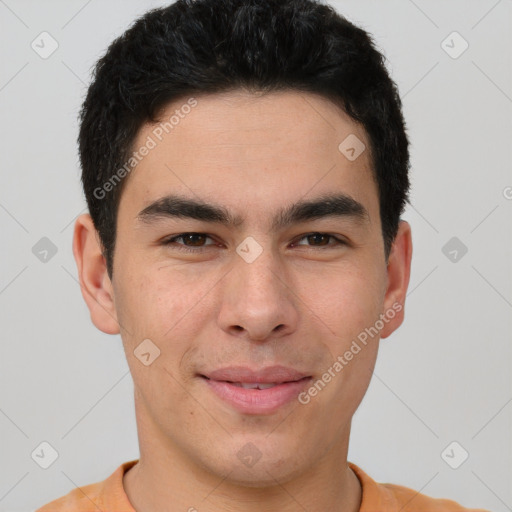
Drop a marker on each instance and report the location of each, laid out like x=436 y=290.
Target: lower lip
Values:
x=257 y=401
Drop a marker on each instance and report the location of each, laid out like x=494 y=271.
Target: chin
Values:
x=258 y=463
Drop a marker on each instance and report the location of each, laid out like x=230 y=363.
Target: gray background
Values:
x=443 y=376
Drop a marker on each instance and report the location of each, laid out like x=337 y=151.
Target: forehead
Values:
x=250 y=151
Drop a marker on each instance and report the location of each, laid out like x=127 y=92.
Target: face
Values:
x=271 y=278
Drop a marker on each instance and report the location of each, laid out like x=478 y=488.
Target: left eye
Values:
x=318 y=237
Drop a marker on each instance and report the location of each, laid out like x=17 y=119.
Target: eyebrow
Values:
x=175 y=206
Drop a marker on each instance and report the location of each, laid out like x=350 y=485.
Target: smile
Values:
x=256 y=397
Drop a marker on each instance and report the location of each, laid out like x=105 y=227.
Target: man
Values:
x=245 y=164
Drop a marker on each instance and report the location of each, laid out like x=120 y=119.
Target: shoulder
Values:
x=105 y=495
x=81 y=499
x=387 y=497
x=409 y=500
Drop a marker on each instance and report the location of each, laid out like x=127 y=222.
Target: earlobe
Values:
x=399 y=270
x=94 y=281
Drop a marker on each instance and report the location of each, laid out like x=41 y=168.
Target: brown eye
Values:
x=189 y=241
x=193 y=239
x=320 y=240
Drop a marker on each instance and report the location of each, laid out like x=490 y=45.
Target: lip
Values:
x=289 y=383
x=265 y=375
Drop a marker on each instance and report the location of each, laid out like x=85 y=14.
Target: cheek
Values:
x=345 y=300
x=162 y=304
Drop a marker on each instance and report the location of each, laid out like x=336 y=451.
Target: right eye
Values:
x=195 y=240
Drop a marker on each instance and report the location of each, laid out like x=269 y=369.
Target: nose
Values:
x=257 y=302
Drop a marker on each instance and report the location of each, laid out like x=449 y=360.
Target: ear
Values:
x=399 y=271
x=95 y=283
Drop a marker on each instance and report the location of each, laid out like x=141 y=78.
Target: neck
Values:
x=166 y=479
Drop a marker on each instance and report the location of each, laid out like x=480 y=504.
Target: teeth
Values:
x=266 y=386
x=248 y=385
x=254 y=385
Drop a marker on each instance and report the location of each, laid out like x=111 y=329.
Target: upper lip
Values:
x=270 y=374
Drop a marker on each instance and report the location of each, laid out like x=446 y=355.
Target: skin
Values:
x=252 y=154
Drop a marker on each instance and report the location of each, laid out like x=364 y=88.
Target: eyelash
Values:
x=184 y=248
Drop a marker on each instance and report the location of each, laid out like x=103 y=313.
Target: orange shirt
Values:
x=109 y=496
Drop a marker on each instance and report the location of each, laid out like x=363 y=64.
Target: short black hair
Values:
x=194 y=47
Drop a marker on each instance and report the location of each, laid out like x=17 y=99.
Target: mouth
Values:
x=255 y=385
x=256 y=392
